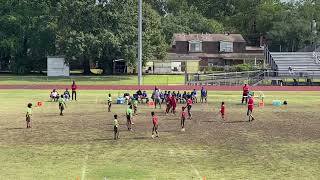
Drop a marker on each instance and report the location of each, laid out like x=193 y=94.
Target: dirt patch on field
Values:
x=206 y=128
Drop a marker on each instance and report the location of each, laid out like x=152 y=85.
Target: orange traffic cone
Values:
x=151 y=104
x=261 y=104
x=39 y=104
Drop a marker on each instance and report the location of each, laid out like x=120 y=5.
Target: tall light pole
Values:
x=140 y=43
x=314 y=33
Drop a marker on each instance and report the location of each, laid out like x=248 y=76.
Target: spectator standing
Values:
x=74 y=88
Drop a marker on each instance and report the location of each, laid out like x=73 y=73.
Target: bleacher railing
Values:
x=269 y=58
x=292 y=74
x=222 y=76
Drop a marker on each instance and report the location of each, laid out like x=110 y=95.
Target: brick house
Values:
x=215 y=49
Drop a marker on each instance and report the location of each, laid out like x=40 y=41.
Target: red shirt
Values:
x=222 y=109
x=189 y=102
x=183 y=114
x=168 y=100
x=74 y=87
x=173 y=101
x=250 y=104
x=155 y=120
x=245 y=89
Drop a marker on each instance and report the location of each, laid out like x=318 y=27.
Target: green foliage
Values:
x=189 y=22
x=88 y=32
x=241 y=68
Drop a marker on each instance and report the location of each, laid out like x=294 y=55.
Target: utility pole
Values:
x=314 y=33
x=140 y=43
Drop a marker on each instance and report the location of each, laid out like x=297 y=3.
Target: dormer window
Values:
x=226 y=46
x=195 y=46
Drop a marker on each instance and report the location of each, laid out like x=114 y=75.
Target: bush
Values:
x=241 y=68
x=217 y=68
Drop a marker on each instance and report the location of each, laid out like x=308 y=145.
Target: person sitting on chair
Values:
x=126 y=96
x=54 y=95
x=144 y=96
x=290 y=69
x=139 y=93
x=184 y=97
x=179 y=95
x=66 y=95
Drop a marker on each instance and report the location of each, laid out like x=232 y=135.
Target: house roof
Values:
x=208 y=37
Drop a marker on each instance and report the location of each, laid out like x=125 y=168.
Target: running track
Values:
x=165 y=87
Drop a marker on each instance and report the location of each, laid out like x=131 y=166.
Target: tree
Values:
x=123 y=23
x=189 y=22
x=27 y=34
x=291 y=29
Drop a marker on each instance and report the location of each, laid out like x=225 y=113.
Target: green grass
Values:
x=283 y=143
x=95 y=80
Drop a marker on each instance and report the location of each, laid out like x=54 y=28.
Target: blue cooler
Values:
x=120 y=100
x=276 y=103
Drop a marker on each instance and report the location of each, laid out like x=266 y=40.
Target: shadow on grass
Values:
x=14 y=128
x=208 y=121
x=111 y=139
x=141 y=138
x=240 y=104
x=104 y=139
x=231 y=122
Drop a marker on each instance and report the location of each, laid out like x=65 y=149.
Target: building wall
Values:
x=192 y=66
x=210 y=47
x=162 y=67
x=182 y=47
x=56 y=67
x=239 y=47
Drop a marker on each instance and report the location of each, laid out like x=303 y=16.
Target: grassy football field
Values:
x=282 y=143
x=95 y=80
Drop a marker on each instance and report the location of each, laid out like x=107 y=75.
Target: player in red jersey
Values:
x=245 y=93
x=173 y=104
x=189 y=106
x=250 y=108
x=155 y=122
x=169 y=103
x=183 y=118
x=222 y=110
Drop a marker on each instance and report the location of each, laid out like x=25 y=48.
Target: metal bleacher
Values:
x=302 y=63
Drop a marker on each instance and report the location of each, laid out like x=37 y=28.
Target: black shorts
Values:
x=189 y=107
x=28 y=118
x=61 y=107
x=115 y=128
x=249 y=112
x=128 y=118
x=109 y=104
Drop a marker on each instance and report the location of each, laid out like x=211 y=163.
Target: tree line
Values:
x=87 y=31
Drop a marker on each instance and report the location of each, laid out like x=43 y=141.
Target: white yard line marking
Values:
x=196 y=171
x=84 y=167
x=187 y=160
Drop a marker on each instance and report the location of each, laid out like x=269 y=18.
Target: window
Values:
x=226 y=46
x=195 y=46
